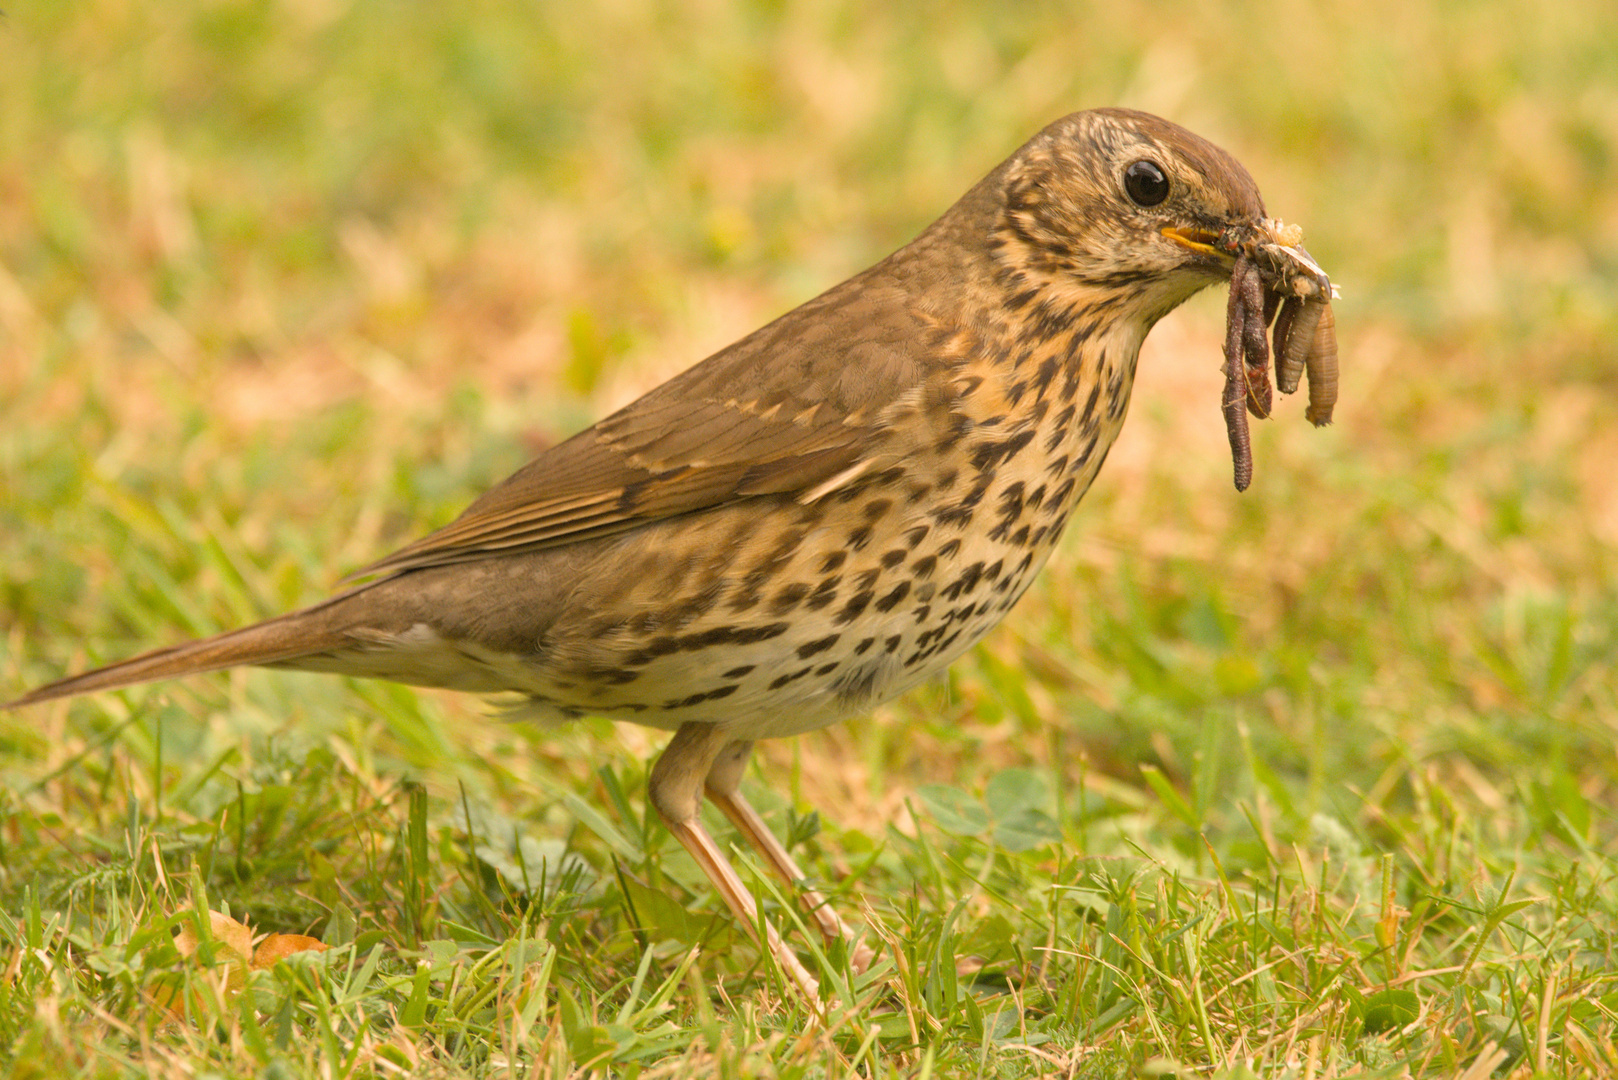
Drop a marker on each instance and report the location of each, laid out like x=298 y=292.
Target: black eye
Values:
x=1145 y=183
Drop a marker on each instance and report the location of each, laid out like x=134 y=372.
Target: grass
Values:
x=1315 y=781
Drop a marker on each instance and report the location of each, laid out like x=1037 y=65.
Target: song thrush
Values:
x=816 y=518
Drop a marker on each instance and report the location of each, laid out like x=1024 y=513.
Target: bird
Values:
x=814 y=519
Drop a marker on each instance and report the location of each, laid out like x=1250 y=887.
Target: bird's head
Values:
x=1127 y=206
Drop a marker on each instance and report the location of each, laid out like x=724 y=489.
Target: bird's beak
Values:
x=1281 y=258
x=1203 y=242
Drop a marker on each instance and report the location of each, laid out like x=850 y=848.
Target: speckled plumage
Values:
x=821 y=515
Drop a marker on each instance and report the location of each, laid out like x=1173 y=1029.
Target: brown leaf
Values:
x=236 y=938
x=277 y=947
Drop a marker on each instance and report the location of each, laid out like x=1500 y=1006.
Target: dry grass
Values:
x=283 y=285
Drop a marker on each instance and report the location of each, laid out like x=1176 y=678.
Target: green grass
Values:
x=1311 y=781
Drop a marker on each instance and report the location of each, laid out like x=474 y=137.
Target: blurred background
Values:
x=285 y=284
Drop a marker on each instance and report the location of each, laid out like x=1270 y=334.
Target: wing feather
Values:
x=790 y=407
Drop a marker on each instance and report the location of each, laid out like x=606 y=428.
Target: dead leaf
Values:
x=233 y=946
x=277 y=947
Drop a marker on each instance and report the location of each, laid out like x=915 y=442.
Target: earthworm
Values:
x=1275 y=279
x=1234 y=400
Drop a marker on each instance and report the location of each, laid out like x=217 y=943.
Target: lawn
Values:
x=1315 y=780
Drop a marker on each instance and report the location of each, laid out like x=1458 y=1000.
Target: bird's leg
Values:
x=724 y=790
x=675 y=788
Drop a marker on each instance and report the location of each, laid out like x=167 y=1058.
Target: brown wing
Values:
x=789 y=407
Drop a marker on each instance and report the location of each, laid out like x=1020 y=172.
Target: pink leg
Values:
x=676 y=791
x=724 y=791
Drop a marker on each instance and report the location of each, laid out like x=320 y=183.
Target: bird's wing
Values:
x=790 y=408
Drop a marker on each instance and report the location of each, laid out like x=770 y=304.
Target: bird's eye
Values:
x=1145 y=183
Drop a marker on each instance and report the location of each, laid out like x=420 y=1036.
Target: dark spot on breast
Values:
x=1117 y=398
x=1011 y=507
x=991 y=454
x=1058 y=501
x=824 y=593
x=738 y=672
x=826 y=669
x=698 y=699
x=893 y=558
x=890 y=601
x=784 y=679
x=683 y=614
x=1084 y=455
x=865 y=643
x=916 y=535
x=720 y=635
x=892 y=644
x=663 y=645
x=1059 y=430
x=876 y=508
x=859 y=538
x=924 y=566
x=948 y=550
x=852 y=610
x=788 y=598
x=809 y=649
x=960 y=514
x=866 y=579
x=966 y=582
x=1051 y=319
x=1047 y=373
x=1090 y=402
x=1019 y=300
x=1070 y=382
x=833 y=561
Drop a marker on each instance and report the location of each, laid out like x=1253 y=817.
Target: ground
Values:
x=1317 y=778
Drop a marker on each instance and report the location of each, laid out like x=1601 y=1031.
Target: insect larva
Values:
x=1291 y=353
x=1322 y=368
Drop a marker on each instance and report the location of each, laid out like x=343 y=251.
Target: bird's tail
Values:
x=274 y=641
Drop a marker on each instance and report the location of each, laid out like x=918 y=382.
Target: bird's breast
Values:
x=773 y=616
